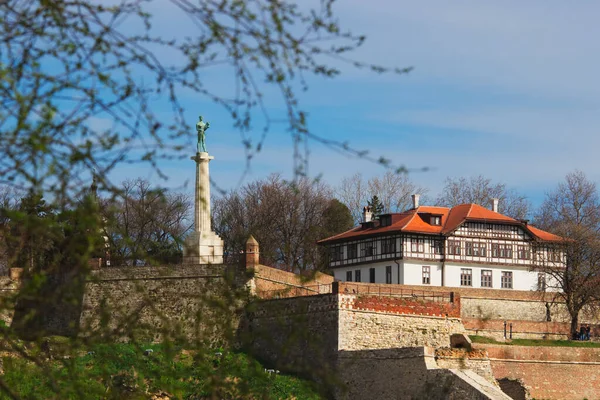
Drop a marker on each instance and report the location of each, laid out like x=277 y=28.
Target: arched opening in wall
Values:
x=514 y=388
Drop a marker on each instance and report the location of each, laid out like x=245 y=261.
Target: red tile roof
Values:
x=417 y=221
x=473 y=212
x=547 y=236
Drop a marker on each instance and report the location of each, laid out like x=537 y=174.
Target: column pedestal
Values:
x=203 y=246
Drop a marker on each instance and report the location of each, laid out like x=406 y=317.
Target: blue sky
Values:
x=504 y=89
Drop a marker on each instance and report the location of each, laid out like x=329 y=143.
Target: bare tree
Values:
x=68 y=64
x=10 y=200
x=481 y=190
x=286 y=218
x=145 y=224
x=572 y=211
x=392 y=189
x=89 y=85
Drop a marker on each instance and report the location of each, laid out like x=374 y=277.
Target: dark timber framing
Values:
x=513 y=240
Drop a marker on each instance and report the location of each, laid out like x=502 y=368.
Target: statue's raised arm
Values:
x=201 y=128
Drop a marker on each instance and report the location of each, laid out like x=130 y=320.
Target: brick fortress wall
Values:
x=568 y=373
x=484 y=311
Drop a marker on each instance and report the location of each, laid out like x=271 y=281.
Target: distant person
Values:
x=582 y=332
x=587 y=332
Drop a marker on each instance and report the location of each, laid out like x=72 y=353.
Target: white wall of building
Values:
x=411 y=273
x=523 y=279
x=380 y=272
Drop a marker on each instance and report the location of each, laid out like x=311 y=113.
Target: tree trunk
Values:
x=574 y=324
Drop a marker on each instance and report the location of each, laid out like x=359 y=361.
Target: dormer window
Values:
x=435 y=220
x=385 y=220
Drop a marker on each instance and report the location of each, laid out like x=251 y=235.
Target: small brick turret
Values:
x=252 y=252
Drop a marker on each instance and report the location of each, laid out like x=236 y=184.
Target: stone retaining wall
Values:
x=274 y=283
x=184 y=301
x=377 y=327
x=8 y=290
x=407 y=373
x=298 y=335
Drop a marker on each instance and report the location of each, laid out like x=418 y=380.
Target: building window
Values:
x=348 y=276
x=507 y=280
x=388 y=246
x=486 y=278
x=523 y=252
x=353 y=250
x=469 y=248
x=388 y=274
x=416 y=245
x=336 y=253
x=435 y=220
x=426 y=275
x=357 y=276
x=482 y=249
x=454 y=247
x=466 y=277
x=501 y=250
x=385 y=220
x=475 y=249
x=368 y=248
x=554 y=255
x=372 y=275
x=438 y=247
x=542 y=282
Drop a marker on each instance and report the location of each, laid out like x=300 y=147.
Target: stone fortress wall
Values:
x=344 y=333
x=9 y=287
x=151 y=302
x=393 y=339
x=274 y=283
x=365 y=346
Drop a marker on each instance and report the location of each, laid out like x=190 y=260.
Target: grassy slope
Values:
x=122 y=371
x=534 y=342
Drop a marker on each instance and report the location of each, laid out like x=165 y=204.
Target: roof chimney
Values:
x=367 y=214
x=495 y=205
x=415 y=198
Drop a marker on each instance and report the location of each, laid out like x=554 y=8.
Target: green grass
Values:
x=535 y=342
x=122 y=371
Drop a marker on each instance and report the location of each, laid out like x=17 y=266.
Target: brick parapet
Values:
x=400 y=305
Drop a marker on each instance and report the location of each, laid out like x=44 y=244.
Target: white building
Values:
x=463 y=246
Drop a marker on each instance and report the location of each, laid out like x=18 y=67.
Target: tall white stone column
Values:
x=203 y=246
x=202 y=195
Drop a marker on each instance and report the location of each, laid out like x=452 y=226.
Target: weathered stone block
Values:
x=460 y=341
